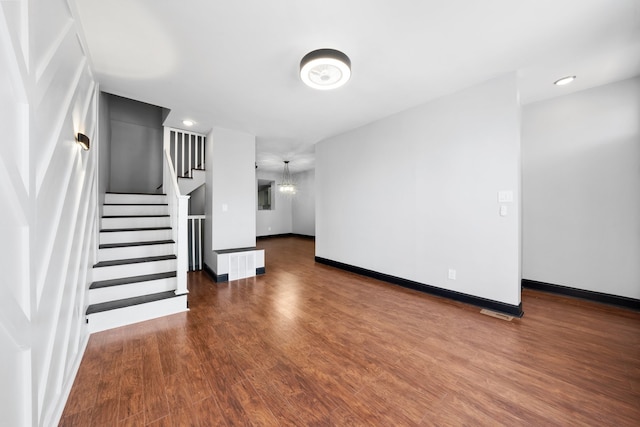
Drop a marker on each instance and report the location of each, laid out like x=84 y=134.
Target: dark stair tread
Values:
x=112 y=230
x=133 y=260
x=135 y=216
x=136 y=204
x=137 y=194
x=130 y=244
x=132 y=279
x=128 y=302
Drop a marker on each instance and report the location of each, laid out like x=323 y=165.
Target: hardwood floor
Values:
x=307 y=344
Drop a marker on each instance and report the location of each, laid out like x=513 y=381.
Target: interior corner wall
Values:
x=197 y=200
x=230 y=200
x=136 y=146
x=303 y=205
x=278 y=219
x=581 y=190
x=416 y=194
x=48 y=187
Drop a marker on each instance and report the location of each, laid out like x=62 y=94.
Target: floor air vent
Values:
x=497 y=315
x=242 y=265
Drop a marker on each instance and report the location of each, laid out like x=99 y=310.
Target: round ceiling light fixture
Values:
x=564 y=81
x=188 y=122
x=325 y=69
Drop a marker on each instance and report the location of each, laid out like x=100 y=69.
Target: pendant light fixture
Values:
x=287 y=185
x=325 y=69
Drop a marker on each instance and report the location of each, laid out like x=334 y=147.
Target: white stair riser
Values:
x=134 y=236
x=134 y=198
x=136 y=222
x=128 y=270
x=122 y=210
x=113 y=293
x=136 y=313
x=109 y=254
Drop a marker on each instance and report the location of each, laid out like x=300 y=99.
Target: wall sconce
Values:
x=83 y=141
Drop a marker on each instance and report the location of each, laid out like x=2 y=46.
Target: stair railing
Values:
x=196 y=232
x=186 y=149
x=179 y=212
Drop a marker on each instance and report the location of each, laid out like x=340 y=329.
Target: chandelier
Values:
x=287 y=185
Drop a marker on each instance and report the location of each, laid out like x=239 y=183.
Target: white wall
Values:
x=136 y=146
x=278 y=220
x=303 y=205
x=581 y=190
x=230 y=207
x=48 y=188
x=415 y=194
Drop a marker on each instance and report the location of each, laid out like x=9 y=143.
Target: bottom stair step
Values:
x=113 y=314
x=128 y=302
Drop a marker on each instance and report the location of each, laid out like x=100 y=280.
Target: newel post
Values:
x=183 y=244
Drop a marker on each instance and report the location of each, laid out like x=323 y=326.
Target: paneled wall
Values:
x=48 y=216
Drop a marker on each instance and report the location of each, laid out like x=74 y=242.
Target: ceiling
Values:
x=234 y=64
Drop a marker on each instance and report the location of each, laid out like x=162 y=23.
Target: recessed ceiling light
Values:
x=564 y=81
x=325 y=69
x=188 y=122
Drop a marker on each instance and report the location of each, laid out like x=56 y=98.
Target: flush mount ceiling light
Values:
x=287 y=185
x=564 y=81
x=325 y=69
x=188 y=122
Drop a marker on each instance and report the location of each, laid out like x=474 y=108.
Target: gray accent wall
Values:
x=415 y=195
x=581 y=190
x=136 y=146
x=104 y=148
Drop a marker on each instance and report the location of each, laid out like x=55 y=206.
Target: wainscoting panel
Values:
x=49 y=198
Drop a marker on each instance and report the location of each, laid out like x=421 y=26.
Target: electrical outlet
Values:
x=452 y=274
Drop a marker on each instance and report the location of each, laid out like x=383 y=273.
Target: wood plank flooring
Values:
x=307 y=344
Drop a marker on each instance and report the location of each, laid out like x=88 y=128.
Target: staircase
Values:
x=191 y=181
x=135 y=277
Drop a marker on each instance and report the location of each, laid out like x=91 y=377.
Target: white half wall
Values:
x=48 y=188
x=230 y=207
x=416 y=194
x=277 y=220
x=581 y=190
x=303 y=205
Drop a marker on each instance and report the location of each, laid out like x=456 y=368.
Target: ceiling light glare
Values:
x=564 y=81
x=325 y=69
x=188 y=122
